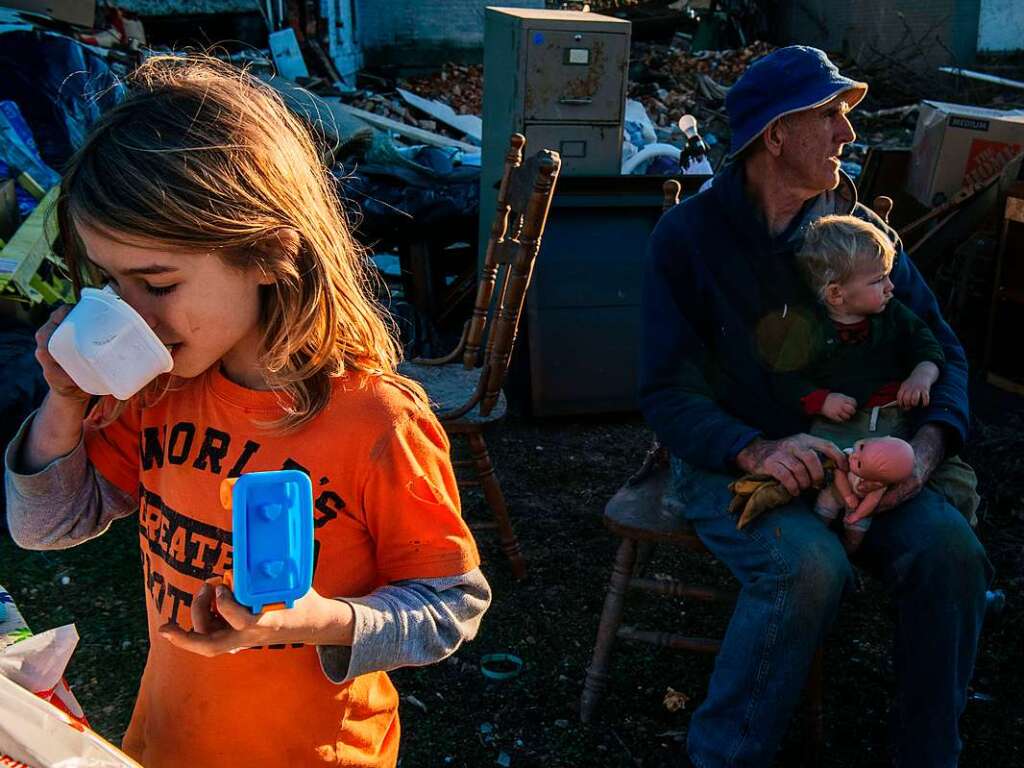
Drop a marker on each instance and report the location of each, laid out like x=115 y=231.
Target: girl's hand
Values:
x=57 y=427
x=313 y=619
x=839 y=407
x=61 y=385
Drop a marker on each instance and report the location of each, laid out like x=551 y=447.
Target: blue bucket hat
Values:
x=787 y=80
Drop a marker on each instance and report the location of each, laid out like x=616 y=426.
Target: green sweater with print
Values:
x=811 y=356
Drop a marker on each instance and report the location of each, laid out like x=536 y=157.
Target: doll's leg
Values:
x=853 y=534
x=828 y=506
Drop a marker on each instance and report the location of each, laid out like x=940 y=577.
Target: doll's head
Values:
x=882 y=459
x=846 y=262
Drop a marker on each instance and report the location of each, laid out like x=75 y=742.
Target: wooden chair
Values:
x=671 y=190
x=465 y=385
x=643 y=517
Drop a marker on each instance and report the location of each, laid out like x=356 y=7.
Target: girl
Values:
x=202 y=199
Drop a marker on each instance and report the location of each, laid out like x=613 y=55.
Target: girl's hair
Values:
x=835 y=247
x=207 y=157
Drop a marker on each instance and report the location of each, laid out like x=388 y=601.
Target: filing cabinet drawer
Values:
x=585 y=149
x=575 y=76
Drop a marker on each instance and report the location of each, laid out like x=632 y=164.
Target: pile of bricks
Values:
x=459 y=86
x=670 y=81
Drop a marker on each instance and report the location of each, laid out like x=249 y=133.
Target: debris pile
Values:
x=670 y=81
x=459 y=86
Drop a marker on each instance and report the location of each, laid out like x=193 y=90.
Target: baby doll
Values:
x=875 y=464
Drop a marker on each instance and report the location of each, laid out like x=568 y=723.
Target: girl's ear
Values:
x=281 y=246
x=833 y=294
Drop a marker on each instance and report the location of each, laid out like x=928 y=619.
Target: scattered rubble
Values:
x=460 y=86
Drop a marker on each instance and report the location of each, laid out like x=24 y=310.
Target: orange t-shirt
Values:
x=386 y=507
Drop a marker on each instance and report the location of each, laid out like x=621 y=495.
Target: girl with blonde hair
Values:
x=203 y=201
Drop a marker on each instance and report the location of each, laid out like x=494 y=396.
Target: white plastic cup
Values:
x=106 y=346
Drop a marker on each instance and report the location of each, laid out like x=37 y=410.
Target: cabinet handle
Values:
x=579 y=101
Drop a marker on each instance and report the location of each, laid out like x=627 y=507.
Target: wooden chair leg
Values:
x=496 y=501
x=611 y=616
x=814 y=739
x=644 y=553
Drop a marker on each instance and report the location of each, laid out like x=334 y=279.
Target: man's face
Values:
x=812 y=143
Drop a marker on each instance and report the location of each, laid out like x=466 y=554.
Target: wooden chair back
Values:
x=671 y=190
x=524 y=199
x=882 y=205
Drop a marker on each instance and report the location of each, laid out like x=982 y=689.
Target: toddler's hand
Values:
x=913 y=392
x=839 y=407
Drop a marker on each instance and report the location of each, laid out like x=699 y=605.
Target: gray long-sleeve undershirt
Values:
x=407 y=623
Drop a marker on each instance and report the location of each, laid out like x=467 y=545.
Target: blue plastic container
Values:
x=272 y=520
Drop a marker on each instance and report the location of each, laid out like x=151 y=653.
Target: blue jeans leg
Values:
x=792 y=572
x=937 y=572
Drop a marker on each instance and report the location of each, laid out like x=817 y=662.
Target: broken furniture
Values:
x=929 y=235
x=559 y=78
x=953 y=222
x=643 y=516
x=465 y=386
x=1007 y=304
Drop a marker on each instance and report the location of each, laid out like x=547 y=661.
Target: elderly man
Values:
x=720 y=279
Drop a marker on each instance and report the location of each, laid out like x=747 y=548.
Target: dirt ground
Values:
x=557 y=475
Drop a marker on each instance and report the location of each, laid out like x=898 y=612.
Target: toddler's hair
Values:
x=835 y=247
x=207 y=157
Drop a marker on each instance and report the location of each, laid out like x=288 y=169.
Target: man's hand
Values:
x=793 y=461
x=929 y=451
x=839 y=407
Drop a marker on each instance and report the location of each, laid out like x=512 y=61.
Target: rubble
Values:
x=670 y=81
x=459 y=86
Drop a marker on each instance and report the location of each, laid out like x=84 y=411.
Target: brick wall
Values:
x=404 y=23
x=861 y=29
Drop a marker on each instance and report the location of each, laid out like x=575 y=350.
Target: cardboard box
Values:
x=957 y=145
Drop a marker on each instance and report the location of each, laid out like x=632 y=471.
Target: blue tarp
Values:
x=18 y=152
x=60 y=86
x=53 y=90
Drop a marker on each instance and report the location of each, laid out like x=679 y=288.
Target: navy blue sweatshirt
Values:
x=717 y=289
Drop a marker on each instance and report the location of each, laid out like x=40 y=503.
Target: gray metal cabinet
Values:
x=559 y=78
x=580 y=339
x=583 y=308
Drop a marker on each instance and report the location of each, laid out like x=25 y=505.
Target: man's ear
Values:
x=833 y=294
x=773 y=136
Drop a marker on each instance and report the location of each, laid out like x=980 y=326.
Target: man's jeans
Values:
x=792 y=571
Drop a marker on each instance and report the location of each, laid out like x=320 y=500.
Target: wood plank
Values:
x=410 y=132
x=1005 y=384
x=28 y=247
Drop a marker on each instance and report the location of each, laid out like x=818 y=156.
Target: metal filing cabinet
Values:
x=559 y=78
